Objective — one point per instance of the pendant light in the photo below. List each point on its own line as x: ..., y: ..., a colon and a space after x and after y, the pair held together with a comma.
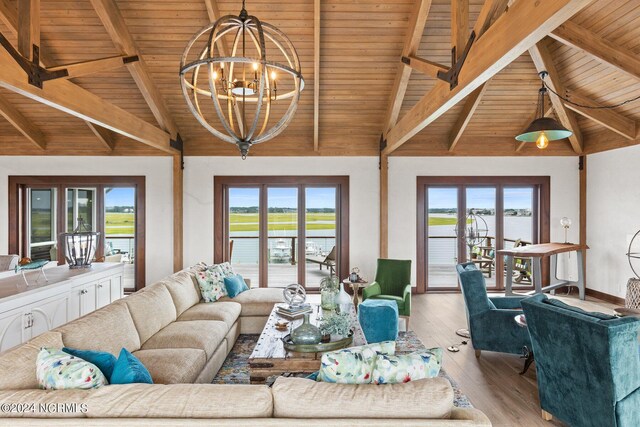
x: 543, y: 129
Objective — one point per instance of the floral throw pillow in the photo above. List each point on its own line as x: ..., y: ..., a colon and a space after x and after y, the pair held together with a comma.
x: 211, y: 282
x: 227, y: 269
x: 407, y: 367
x: 353, y: 365
x: 57, y: 370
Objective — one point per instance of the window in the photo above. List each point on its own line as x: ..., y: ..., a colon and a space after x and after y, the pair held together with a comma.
x: 464, y: 219
x: 282, y: 230
x: 40, y: 208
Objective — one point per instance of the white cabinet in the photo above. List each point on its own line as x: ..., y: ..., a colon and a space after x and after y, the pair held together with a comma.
x: 67, y: 296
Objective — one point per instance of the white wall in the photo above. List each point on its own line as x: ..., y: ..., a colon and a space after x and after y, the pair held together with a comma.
x: 363, y: 199
x: 613, y: 217
x: 403, y: 171
x: 159, y: 196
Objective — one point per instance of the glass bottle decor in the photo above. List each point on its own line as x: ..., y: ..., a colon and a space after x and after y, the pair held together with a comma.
x: 306, y: 333
x: 329, y: 292
x: 343, y: 300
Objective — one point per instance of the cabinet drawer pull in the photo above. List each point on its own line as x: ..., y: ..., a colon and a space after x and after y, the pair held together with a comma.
x: 99, y: 286
x: 84, y: 291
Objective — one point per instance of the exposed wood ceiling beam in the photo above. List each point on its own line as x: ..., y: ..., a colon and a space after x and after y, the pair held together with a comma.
x: 316, y: 75
x: 79, y: 69
x: 104, y: 135
x: 544, y: 62
x: 465, y: 115
x: 605, y: 117
x: 522, y: 26
x: 113, y: 22
x: 28, y: 27
x: 521, y: 144
x: 459, y: 25
x: 417, y: 21
x: 490, y: 11
x: 603, y: 50
x: 9, y: 15
x: 20, y: 122
x: 72, y: 99
x: 424, y: 66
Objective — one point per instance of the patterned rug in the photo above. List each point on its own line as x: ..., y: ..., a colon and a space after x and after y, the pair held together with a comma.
x: 235, y: 369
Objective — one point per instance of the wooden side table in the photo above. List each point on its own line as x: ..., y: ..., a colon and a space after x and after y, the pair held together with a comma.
x: 355, y: 287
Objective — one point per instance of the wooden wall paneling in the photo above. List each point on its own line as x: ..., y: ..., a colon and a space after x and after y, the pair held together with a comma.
x: 178, y: 217
x: 470, y: 105
x: 20, y: 122
x: 524, y: 25
x: 602, y: 49
x: 544, y: 62
x: 417, y: 22
x: 115, y: 25
x: 384, y: 206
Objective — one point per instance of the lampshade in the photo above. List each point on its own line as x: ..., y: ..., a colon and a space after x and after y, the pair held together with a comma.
x: 551, y: 128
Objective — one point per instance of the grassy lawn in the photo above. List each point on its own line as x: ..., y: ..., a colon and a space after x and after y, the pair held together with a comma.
x: 437, y: 220
x: 119, y: 223
x: 282, y: 221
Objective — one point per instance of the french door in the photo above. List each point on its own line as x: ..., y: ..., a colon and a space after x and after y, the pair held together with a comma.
x: 462, y: 219
x: 282, y: 230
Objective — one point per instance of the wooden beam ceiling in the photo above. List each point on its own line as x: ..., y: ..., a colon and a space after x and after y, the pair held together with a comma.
x: 605, y: 117
x: 105, y: 136
x: 113, y: 22
x: 544, y: 62
x: 424, y: 66
x: 78, y: 69
x: 510, y: 36
x: 490, y: 10
x: 316, y: 75
x: 603, y: 50
x: 28, y: 27
x: 21, y: 123
x: 417, y: 21
x: 72, y: 99
x: 459, y: 25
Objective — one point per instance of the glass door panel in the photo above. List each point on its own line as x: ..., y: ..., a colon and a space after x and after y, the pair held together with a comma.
x: 282, y: 226
x: 42, y: 231
x: 244, y: 232
x: 442, y: 242
x: 320, y: 238
x: 519, y: 228
x: 120, y: 228
x: 81, y: 204
x: 481, y: 232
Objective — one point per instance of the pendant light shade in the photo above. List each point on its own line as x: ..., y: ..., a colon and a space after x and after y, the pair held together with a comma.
x: 543, y: 129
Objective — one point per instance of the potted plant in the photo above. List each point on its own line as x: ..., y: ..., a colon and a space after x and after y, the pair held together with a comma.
x: 335, y: 326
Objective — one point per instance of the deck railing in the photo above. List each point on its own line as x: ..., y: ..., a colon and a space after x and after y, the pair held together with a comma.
x: 247, y: 247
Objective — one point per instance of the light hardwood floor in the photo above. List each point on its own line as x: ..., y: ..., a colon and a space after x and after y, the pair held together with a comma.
x: 492, y: 382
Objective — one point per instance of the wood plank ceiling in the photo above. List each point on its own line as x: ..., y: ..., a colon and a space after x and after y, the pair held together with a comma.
x: 360, y: 46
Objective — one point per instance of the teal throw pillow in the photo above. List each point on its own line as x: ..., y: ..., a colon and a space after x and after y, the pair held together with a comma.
x: 129, y: 370
x: 235, y: 285
x: 105, y: 361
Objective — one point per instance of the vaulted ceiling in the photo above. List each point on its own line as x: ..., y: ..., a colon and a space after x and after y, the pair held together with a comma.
x: 361, y: 42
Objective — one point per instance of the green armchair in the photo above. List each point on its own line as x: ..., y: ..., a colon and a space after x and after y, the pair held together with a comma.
x: 393, y: 282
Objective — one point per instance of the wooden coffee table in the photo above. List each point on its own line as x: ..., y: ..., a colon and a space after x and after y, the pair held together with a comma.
x: 270, y: 358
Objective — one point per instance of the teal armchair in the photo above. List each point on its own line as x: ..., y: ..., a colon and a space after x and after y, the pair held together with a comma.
x: 393, y: 282
x: 587, y: 363
x: 491, y: 321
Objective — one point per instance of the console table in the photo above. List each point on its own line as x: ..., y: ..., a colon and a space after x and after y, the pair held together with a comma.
x: 537, y: 253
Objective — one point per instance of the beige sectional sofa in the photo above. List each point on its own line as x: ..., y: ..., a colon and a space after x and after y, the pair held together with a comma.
x: 183, y: 342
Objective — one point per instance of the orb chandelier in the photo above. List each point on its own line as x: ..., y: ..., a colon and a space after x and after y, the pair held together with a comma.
x: 242, y: 80
x: 543, y: 129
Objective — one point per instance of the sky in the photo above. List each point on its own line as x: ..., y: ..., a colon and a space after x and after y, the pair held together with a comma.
x: 480, y: 198
x: 283, y: 197
x: 120, y: 197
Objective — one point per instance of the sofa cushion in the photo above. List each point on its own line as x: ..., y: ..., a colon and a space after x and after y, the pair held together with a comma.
x: 109, y: 329
x: 182, y: 401
x: 211, y: 283
x: 57, y: 370
x: 173, y: 365
x: 18, y: 366
x: 151, y: 310
x: 299, y: 397
x: 227, y: 312
x: 184, y: 290
x: 407, y: 367
x: 203, y: 334
x: 257, y: 301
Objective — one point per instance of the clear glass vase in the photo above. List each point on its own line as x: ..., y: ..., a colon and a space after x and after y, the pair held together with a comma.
x: 306, y: 333
x: 329, y: 293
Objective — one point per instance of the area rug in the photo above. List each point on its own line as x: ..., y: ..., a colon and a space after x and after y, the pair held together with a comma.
x: 235, y: 369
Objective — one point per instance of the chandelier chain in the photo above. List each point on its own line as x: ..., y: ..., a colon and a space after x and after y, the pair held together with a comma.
x: 592, y: 107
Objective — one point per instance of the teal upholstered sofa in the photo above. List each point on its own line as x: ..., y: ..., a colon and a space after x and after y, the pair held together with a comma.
x: 491, y: 321
x: 588, y: 364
